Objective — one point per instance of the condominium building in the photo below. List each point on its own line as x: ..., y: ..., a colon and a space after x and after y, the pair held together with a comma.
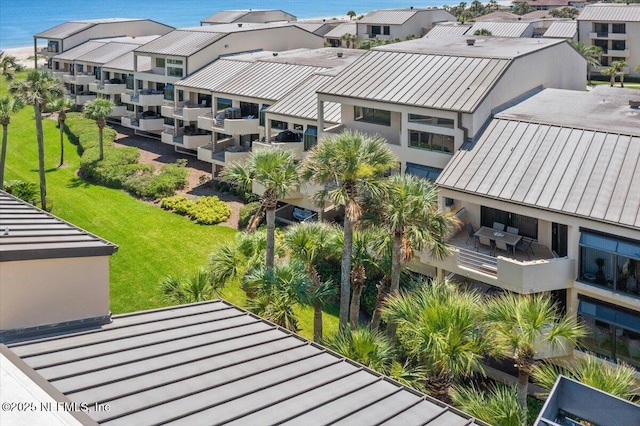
x: 256, y: 16
x: 549, y: 202
x: 615, y: 28
x: 551, y: 4
x: 389, y: 24
x: 73, y: 33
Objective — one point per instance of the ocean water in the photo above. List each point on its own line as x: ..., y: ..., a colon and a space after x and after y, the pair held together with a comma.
x: 21, y: 19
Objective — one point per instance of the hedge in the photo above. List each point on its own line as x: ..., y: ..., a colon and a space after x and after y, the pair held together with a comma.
x: 205, y: 210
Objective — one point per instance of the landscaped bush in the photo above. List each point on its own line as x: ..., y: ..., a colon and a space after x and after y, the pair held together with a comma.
x: 246, y: 213
x: 26, y: 191
x: 120, y: 167
x: 205, y: 210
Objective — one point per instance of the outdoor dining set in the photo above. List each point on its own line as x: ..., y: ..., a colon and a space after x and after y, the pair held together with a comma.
x: 500, y: 237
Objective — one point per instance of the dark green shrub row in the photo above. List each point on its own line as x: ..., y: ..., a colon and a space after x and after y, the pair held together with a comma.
x: 120, y: 168
x: 26, y: 191
x: 246, y: 196
x: 205, y: 210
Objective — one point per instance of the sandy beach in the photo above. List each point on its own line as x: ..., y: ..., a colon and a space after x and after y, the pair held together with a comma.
x: 24, y: 55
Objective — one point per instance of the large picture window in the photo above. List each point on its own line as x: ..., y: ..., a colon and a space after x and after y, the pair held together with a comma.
x: 609, y: 262
x: 372, y: 115
x: 431, y: 141
x: 432, y: 121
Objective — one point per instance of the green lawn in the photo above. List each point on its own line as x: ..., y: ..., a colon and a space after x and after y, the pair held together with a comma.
x: 152, y: 243
x: 626, y: 84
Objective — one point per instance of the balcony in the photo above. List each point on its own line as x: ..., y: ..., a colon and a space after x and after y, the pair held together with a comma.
x: 108, y: 88
x: 119, y: 111
x: 296, y: 148
x: 167, y: 110
x: 145, y: 98
x: 59, y: 74
x: 84, y: 79
x: 145, y: 124
x: 206, y: 121
x: 228, y: 126
x: 83, y: 98
x: 607, y: 36
x: 68, y: 78
x: 191, y: 113
x: 231, y: 154
x: 205, y: 153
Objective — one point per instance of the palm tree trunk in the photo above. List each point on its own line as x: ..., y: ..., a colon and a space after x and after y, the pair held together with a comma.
x: 271, y: 236
x: 612, y: 80
x: 621, y: 79
x: 345, y: 273
x: 358, y: 278
x: 317, y: 306
x: 41, y: 170
x: 255, y: 220
x: 61, y: 125
x: 522, y: 387
x: 3, y: 153
x: 382, y: 295
x: 438, y: 386
x: 100, y: 143
x: 396, y: 266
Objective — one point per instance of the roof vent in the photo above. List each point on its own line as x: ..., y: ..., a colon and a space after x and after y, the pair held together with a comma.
x: 239, y: 24
x: 339, y: 54
x: 471, y: 42
x: 275, y: 53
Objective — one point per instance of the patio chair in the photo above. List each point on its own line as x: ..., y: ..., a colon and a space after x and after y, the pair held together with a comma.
x: 498, y: 226
x: 470, y: 232
x: 512, y: 230
x: 484, y: 241
x: 525, y: 245
x: 501, y: 245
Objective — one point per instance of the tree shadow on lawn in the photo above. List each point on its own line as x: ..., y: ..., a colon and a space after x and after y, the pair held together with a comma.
x: 77, y: 182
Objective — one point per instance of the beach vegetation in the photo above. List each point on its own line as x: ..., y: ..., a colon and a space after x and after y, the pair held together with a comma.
x: 8, y: 107
x: 9, y: 66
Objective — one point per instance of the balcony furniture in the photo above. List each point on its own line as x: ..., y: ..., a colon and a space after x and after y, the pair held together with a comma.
x: 501, y: 245
x: 484, y: 241
x: 511, y: 240
x: 525, y: 245
x: 512, y: 230
x: 470, y: 231
x: 498, y: 226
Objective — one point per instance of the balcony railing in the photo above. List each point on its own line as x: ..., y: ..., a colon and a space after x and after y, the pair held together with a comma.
x: 144, y: 98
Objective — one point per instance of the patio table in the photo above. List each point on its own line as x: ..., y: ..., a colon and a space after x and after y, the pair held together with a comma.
x: 494, y: 235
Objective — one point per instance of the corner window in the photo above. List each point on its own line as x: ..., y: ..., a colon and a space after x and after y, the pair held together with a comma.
x: 169, y: 94
x: 159, y: 62
x: 223, y: 103
x: 427, y: 172
x: 249, y: 109
x: 431, y: 141
x: 371, y: 115
x: 279, y: 125
x: 432, y: 121
x: 174, y: 72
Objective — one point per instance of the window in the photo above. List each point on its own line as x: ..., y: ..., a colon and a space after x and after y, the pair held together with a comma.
x: 528, y: 226
x: 180, y: 95
x: 249, y: 109
x: 618, y: 45
x: 426, y: 172
x: 433, y: 121
x: 169, y: 121
x: 174, y: 72
x: 375, y: 31
x: 618, y: 28
x: 612, y: 332
x: 371, y: 115
x: 263, y: 115
x: 79, y: 68
x: 386, y: 30
x: 169, y: 94
x: 204, y: 100
x: 610, y: 262
x: 52, y: 47
x: 431, y: 141
x: 159, y: 62
x: 602, y: 30
x: 97, y: 73
x: 279, y: 125
x: 310, y: 137
x: 174, y: 61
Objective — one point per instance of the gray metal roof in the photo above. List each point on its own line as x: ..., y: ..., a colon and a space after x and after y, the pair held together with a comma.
x: 27, y: 232
x: 266, y: 80
x: 561, y: 29
x: 231, y: 16
x: 342, y: 29
x: 431, y: 81
x: 107, y: 52
x: 501, y: 28
x: 83, y: 49
x: 610, y: 12
x: 125, y: 63
x: 574, y: 171
x: 212, y: 75
x: 213, y: 363
x: 70, y: 28
x: 181, y: 42
x: 498, y: 15
x: 388, y: 16
x: 302, y: 101
x: 448, y: 29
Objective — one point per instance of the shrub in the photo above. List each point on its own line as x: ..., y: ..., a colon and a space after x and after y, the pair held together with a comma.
x: 205, y: 210
x: 26, y: 191
x: 246, y: 213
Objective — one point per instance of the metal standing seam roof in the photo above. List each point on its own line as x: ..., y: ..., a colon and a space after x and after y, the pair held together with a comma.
x: 342, y: 29
x: 447, y: 30
x: 388, y: 17
x: 302, y: 101
x: 585, y: 173
x: 125, y: 63
x: 73, y: 27
x: 212, y: 75
x: 610, y: 12
x: 226, y: 16
x: 180, y: 43
x: 213, y: 363
x: 426, y: 80
x: 561, y: 30
x: 27, y: 233
x: 497, y: 15
x: 501, y: 29
x: 83, y: 49
x: 266, y: 80
x: 107, y: 52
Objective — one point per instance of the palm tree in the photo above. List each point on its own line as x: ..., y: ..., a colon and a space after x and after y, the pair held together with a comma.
x: 354, y: 163
x: 277, y: 172
x: 616, y: 379
x: 497, y: 406
x: 196, y: 287
x: 61, y: 105
x: 350, y: 40
x: 482, y: 32
x: 99, y: 110
x: 36, y: 90
x: 438, y: 325
x: 517, y: 325
x: 592, y: 54
x: 410, y: 215
x: 8, y: 106
x: 351, y: 14
x: 310, y: 243
x: 9, y: 66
